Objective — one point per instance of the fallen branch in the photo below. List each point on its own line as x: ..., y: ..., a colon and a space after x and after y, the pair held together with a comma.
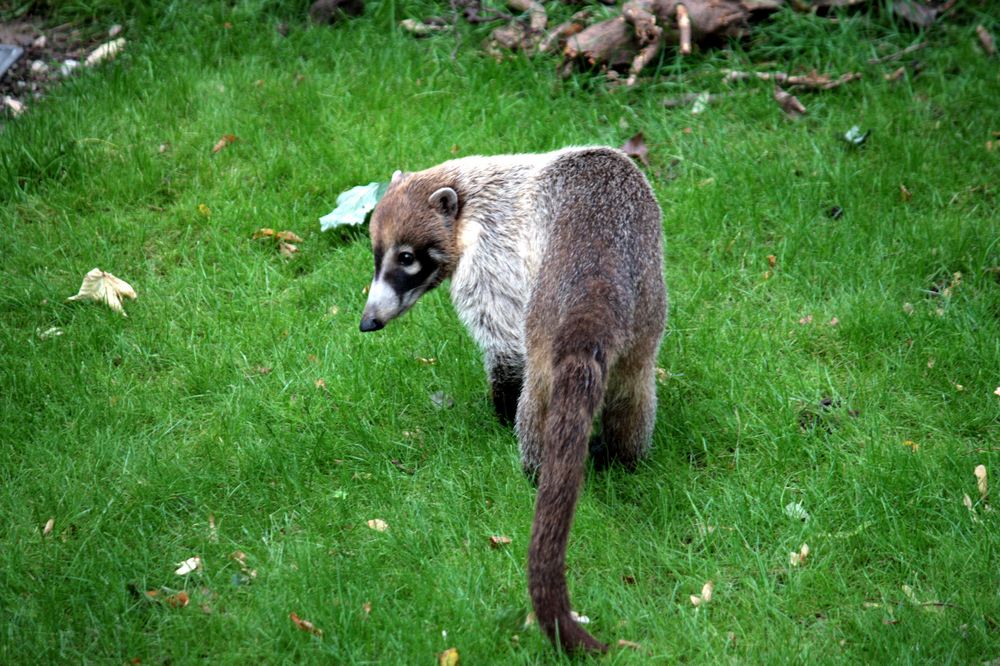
x: 892, y: 57
x: 563, y: 31
x: 812, y: 80
x: 420, y: 28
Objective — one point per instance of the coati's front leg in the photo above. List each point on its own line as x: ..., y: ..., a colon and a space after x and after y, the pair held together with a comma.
x: 506, y: 375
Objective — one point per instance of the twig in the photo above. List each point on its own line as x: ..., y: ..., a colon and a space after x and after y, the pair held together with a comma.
x: 986, y: 39
x: 812, y: 80
x: 899, y: 54
x: 684, y: 25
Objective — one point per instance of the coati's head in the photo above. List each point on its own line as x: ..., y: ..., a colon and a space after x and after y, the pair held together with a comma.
x: 413, y: 240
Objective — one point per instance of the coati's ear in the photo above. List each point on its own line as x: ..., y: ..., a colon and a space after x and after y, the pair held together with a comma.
x: 396, y: 175
x: 445, y: 201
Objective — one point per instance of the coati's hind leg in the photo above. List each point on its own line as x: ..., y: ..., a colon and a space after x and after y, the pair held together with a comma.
x: 532, y: 410
x: 628, y: 416
x: 506, y: 375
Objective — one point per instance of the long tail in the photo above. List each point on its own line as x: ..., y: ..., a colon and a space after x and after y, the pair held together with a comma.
x: 578, y: 384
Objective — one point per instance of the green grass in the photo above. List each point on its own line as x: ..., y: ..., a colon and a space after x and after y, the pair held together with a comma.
x: 132, y: 432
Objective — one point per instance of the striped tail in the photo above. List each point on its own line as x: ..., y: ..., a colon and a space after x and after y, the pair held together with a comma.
x: 578, y: 384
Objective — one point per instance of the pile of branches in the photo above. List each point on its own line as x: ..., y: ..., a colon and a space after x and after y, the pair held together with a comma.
x: 631, y: 40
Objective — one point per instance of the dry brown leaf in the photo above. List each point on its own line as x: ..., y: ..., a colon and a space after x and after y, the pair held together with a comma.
x: 263, y: 232
x: 772, y: 260
x: 320, y: 384
x: 289, y: 236
x: 912, y: 445
x: 241, y: 558
x: 789, y: 103
x: 104, y: 288
x: 798, y: 559
x: 179, y: 600
x: 49, y: 524
x: 305, y: 625
x: 834, y: 321
x: 498, y: 541
x: 622, y: 643
x: 226, y: 140
x: 904, y: 193
x: 378, y: 525
x: 367, y: 607
x: 805, y: 321
x: 636, y: 149
x: 449, y: 657
x: 287, y: 249
x: 981, y: 482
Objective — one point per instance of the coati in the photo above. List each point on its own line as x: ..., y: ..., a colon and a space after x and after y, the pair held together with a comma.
x: 556, y: 267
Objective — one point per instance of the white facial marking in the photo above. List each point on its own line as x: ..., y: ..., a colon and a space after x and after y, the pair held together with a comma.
x: 382, y: 299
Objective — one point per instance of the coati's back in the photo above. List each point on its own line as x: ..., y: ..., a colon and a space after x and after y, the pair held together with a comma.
x: 593, y: 327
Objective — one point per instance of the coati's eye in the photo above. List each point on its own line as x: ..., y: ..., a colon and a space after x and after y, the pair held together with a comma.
x: 405, y: 258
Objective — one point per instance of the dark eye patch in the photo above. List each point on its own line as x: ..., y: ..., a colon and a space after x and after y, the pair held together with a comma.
x: 378, y: 251
x: 402, y: 282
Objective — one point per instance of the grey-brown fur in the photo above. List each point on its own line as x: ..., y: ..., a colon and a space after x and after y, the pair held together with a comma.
x: 556, y: 268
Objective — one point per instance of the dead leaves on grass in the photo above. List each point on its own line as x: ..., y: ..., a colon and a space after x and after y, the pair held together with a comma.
x: 286, y: 241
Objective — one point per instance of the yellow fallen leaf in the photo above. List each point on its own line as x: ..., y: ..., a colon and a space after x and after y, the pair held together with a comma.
x: 378, y: 525
x: 449, y: 657
x: 104, y: 288
x: 706, y: 594
x: 204, y: 210
x: 980, y: 473
x: 799, y: 558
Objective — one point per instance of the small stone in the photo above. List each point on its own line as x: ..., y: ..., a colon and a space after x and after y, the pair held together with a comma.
x: 39, y: 67
x: 68, y: 66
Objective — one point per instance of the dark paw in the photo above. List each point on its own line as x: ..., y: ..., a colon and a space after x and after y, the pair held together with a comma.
x: 603, y: 457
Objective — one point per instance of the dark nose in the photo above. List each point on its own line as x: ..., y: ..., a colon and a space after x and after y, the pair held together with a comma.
x: 370, y: 324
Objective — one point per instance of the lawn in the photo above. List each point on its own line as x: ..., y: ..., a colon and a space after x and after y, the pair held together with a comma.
x: 829, y: 377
